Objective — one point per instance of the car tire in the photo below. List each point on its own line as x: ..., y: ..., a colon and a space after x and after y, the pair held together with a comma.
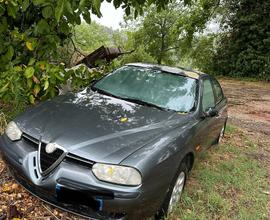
x: 175, y: 191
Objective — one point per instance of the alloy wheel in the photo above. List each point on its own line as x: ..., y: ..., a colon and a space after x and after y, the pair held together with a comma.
x: 177, y: 191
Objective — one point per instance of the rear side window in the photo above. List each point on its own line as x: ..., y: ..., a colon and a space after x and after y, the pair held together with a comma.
x: 218, y: 91
x: 208, y: 99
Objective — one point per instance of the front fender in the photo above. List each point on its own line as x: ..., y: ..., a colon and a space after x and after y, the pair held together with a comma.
x: 158, y: 162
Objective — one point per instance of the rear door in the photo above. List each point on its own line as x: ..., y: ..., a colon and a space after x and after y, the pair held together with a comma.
x: 220, y: 105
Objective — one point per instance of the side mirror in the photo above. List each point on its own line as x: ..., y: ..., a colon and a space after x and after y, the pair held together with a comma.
x: 211, y: 112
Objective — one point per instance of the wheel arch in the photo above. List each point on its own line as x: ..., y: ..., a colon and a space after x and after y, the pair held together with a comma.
x: 189, y: 159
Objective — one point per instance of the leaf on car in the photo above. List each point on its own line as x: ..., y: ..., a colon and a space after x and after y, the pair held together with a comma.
x: 123, y: 119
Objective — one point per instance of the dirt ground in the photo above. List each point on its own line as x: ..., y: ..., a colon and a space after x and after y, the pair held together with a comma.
x: 249, y: 109
x: 249, y: 105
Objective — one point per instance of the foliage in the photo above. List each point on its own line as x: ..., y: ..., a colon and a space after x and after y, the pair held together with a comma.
x: 167, y: 34
x: 158, y: 34
x: 243, y: 49
x: 85, y: 39
x: 31, y: 32
x: 201, y: 53
x: 139, y: 54
x: 90, y: 37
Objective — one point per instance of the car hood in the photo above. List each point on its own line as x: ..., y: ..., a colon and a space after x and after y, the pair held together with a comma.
x: 95, y: 126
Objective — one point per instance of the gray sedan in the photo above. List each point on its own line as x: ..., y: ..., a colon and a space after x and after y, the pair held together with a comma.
x: 121, y: 148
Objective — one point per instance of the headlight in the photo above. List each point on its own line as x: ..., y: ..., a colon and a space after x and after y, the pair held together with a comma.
x: 13, y: 132
x: 117, y: 174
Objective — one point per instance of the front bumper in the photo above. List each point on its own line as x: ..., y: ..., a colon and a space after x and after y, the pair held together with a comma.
x: 73, y: 187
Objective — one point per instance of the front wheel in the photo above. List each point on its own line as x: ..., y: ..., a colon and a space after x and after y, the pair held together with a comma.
x: 177, y: 187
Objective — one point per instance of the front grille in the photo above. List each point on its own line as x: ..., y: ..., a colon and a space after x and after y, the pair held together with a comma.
x: 74, y: 159
x: 47, y: 160
x: 31, y: 141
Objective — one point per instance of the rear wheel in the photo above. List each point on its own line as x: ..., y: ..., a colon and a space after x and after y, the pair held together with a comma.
x: 173, y: 197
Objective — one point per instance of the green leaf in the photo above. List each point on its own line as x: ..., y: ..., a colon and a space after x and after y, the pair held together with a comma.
x: 127, y: 10
x: 39, y: 2
x: 64, y: 28
x: 42, y: 27
x: 12, y: 10
x: 47, y: 12
x: 4, y: 88
x: 31, y: 61
x: 46, y: 85
x: 58, y: 76
x: 9, y: 54
x: 2, y: 10
x: 68, y: 7
x: 59, y: 9
x: 36, y: 89
x: 81, y: 4
x: 87, y: 16
x: 52, y: 92
x: 29, y: 72
x: 25, y: 5
x: 29, y: 82
x: 96, y: 6
x: 32, y: 99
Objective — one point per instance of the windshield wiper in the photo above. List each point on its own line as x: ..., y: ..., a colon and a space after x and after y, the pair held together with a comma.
x: 134, y: 100
x: 95, y: 89
x: 141, y: 102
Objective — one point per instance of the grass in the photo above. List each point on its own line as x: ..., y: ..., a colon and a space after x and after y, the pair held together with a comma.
x: 227, y: 183
x: 3, y: 122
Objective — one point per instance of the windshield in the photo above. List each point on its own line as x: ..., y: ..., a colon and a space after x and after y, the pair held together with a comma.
x: 144, y: 85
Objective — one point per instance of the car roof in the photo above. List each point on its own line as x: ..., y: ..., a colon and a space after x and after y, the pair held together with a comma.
x: 175, y: 70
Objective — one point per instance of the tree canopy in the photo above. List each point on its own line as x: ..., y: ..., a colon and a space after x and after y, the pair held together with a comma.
x: 167, y: 35
x: 34, y: 34
x: 243, y: 48
x: 31, y: 31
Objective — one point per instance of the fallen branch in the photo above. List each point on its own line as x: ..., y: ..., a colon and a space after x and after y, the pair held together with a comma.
x: 50, y: 212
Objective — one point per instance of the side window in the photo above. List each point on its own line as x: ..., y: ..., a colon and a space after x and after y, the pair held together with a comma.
x: 218, y: 91
x: 208, y: 99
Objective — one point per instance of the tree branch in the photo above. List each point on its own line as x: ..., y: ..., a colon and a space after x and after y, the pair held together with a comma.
x: 75, y: 48
x: 171, y: 48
